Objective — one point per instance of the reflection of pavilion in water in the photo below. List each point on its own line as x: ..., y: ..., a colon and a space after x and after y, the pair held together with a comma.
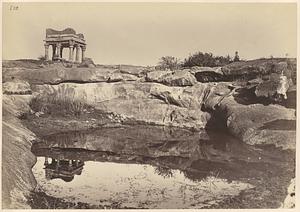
x: 64, y: 169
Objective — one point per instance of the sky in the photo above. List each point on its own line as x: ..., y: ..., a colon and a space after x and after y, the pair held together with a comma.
x: 141, y: 33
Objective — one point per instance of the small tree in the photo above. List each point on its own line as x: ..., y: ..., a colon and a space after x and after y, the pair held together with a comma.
x: 169, y: 62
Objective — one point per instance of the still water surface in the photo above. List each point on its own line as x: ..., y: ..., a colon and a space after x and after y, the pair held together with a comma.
x: 136, y: 185
x: 150, y: 167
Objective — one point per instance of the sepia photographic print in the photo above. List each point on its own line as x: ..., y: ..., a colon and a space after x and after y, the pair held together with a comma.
x: 149, y: 105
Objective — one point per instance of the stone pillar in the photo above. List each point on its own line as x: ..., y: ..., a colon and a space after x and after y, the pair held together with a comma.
x: 77, y: 54
x: 57, y: 164
x: 46, y: 51
x: 83, y: 48
x: 53, y: 51
x: 71, y: 53
x: 61, y: 52
x: 46, y: 161
x: 58, y: 50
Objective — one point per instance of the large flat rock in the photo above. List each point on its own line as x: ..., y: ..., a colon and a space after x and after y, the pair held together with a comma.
x: 58, y: 73
x: 149, y: 102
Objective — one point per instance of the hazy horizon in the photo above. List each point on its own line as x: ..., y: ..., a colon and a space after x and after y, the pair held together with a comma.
x: 141, y: 33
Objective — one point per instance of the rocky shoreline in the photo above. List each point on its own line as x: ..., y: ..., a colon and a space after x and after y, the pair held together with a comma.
x: 40, y: 100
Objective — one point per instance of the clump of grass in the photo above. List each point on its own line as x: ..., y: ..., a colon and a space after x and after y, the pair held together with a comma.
x: 59, y: 103
x: 50, y: 105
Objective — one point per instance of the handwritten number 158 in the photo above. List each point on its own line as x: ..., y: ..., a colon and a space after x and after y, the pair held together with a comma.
x: 13, y: 7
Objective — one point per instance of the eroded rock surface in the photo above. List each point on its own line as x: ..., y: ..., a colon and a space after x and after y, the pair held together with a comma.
x: 17, y: 159
x: 250, y: 123
x: 206, y: 76
x: 172, y: 78
x: 16, y: 87
x: 196, y: 69
x: 274, y: 89
x: 148, y: 102
x: 260, y: 67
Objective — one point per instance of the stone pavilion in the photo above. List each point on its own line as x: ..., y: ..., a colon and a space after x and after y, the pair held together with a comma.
x: 67, y: 38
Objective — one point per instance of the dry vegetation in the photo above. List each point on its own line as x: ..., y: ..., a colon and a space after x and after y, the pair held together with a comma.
x: 62, y: 102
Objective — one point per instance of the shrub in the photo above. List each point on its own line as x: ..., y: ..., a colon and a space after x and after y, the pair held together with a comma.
x: 206, y: 59
x: 169, y: 62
